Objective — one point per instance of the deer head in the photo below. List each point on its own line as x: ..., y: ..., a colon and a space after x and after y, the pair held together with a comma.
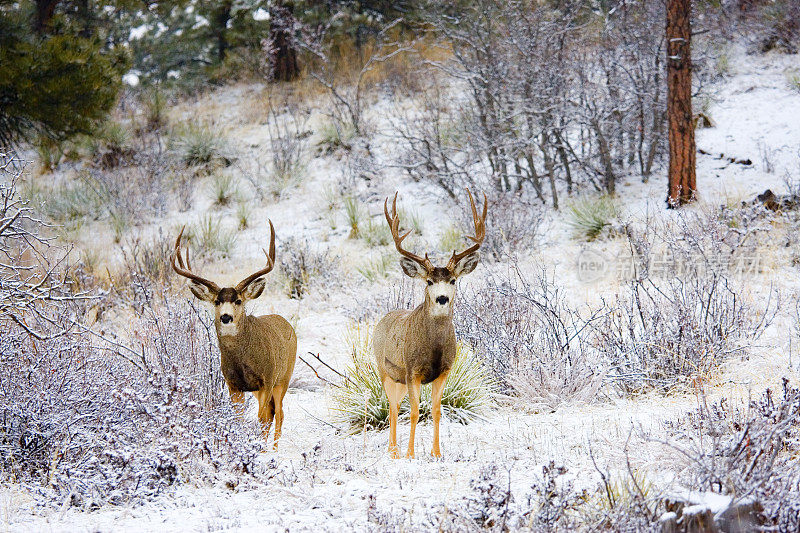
x: 228, y: 301
x: 441, y: 281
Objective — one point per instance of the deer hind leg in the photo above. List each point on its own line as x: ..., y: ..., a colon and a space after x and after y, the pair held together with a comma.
x: 395, y: 392
x: 436, y: 411
x: 413, y: 396
x: 277, y: 404
x: 266, y: 410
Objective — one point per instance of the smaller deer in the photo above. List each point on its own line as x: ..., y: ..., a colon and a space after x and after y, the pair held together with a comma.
x: 258, y: 352
x: 419, y: 346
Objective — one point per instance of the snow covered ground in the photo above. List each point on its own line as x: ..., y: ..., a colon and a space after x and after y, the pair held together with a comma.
x: 325, y: 480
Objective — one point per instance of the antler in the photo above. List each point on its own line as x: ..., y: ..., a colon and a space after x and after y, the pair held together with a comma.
x: 480, y: 232
x: 394, y: 226
x: 185, y: 269
x: 270, y: 262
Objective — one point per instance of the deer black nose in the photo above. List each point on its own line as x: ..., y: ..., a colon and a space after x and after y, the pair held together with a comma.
x: 441, y: 300
x: 226, y: 318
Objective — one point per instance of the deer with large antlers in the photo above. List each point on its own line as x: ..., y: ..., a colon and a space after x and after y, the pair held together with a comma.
x: 419, y: 346
x: 258, y: 352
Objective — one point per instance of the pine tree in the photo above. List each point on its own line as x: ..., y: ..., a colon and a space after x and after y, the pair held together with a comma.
x: 55, y: 86
x: 682, y: 151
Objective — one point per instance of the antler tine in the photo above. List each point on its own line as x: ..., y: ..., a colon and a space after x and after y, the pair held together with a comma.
x: 270, y: 262
x: 394, y: 227
x: 480, y: 231
x: 184, y: 269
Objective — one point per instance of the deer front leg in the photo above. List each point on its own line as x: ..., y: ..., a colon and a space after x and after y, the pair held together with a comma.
x: 395, y: 392
x: 414, y: 385
x: 277, y: 403
x: 436, y: 411
x: 266, y: 410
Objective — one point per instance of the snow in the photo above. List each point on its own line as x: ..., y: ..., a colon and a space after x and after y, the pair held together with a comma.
x: 324, y: 480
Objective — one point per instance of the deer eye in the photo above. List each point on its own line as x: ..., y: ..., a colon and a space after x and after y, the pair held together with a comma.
x: 238, y: 302
x: 217, y: 302
x: 453, y: 281
x: 430, y: 282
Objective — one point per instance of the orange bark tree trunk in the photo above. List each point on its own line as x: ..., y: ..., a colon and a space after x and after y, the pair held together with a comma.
x: 682, y: 152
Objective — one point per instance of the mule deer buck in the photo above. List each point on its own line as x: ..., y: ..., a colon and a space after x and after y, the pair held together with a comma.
x: 419, y: 346
x: 258, y: 352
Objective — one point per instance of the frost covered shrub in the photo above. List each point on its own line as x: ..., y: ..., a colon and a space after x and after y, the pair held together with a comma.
x: 86, y: 419
x: 748, y: 452
x: 665, y: 333
x: 362, y: 403
x: 101, y: 422
x: 533, y: 342
x: 301, y: 265
x: 512, y: 224
x: 665, y: 330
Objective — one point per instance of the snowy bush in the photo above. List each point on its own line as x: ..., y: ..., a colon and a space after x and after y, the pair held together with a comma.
x: 579, y: 119
x: 303, y: 265
x: 512, y: 225
x: 101, y: 422
x: 88, y: 419
x: 666, y: 331
x: 533, y: 342
x: 747, y: 453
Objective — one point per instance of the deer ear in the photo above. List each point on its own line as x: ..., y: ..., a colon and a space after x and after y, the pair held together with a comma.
x: 254, y: 289
x: 202, y: 292
x: 467, y: 264
x: 411, y: 268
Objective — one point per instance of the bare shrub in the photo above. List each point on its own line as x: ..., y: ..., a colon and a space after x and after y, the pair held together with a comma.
x: 288, y: 138
x: 512, y: 225
x: 302, y: 266
x: 747, y: 453
x: 678, y: 321
x: 348, y: 96
x: 87, y: 420
x: 592, y: 111
x: 534, y: 343
x: 435, y: 143
x: 663, y: 334
x: 105, y: 423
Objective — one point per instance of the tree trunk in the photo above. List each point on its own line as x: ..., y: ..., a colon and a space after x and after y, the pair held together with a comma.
x: 284, y: 56
x: 221, y: 18
x: 682, y: 152
x: 45, y: 9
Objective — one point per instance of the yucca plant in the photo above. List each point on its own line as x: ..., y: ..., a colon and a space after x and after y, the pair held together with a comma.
x: 360, y: 401
x: 589, y: 215
x: 212, y: 237
x: 200, y: 146
x: 353, y: 212
x: 223, y: 188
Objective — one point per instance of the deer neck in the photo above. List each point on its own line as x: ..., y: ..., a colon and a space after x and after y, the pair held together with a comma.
x: 438, y: 327
x: 231, y: 343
